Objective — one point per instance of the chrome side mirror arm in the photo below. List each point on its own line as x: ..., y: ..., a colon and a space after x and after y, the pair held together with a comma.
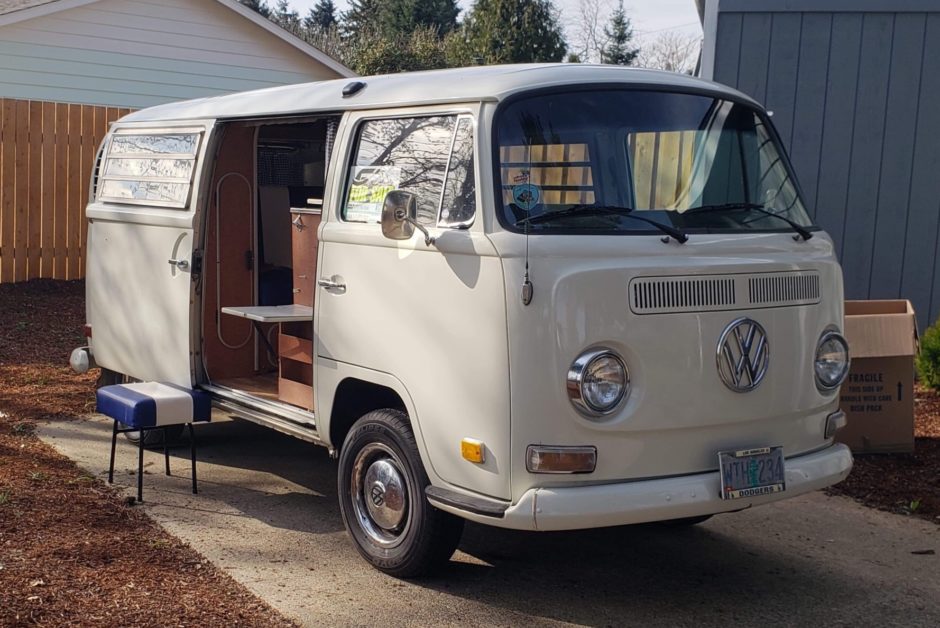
x: 400, y: 214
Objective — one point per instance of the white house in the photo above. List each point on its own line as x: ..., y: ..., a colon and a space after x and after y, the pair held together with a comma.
x: 137, y: 53
x: 68, y: 68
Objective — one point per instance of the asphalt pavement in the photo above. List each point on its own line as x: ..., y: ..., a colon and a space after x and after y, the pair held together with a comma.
x: 267, y: 514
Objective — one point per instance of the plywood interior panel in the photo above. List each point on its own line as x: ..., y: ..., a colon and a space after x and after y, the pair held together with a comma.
x: 228, y: 279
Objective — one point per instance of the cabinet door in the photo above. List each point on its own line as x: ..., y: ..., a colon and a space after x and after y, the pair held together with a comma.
x: 304, y: 228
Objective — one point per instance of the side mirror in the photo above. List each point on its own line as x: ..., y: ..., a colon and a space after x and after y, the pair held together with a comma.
x: 398, y: 217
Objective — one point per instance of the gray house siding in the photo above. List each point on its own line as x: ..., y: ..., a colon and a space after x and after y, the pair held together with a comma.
x: 854, y: 88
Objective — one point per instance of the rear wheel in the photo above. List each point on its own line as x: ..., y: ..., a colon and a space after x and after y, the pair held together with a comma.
x: 381, y: 497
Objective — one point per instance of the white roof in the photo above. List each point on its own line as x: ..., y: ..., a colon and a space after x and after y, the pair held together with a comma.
x: 482, y: 83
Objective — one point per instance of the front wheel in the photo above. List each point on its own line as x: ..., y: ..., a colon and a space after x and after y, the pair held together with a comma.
x: 381, y: 497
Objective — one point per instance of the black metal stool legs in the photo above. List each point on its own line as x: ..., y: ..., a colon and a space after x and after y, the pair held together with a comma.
x: 114, y: 434
x: 192, y: 451
x: 166, y: 454
x: 140, y: 466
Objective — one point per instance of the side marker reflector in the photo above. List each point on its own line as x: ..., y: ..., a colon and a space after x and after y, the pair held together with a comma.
x: 473, y: 450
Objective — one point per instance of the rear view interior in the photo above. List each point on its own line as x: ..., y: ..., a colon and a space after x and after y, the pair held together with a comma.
x: 260, y: 258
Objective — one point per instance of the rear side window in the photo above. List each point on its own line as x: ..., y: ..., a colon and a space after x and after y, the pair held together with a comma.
x: 149, y: 168
x: 430, y: 157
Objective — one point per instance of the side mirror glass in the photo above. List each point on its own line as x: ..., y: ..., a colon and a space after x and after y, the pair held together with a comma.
x: 398, y: 208
x: 398, y: 217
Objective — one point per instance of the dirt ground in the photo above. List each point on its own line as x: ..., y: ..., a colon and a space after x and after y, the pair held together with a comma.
x: 907, y: 484
x: 71, y: 551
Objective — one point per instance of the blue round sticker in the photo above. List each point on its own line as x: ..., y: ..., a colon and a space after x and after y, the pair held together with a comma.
x: 526, y: 195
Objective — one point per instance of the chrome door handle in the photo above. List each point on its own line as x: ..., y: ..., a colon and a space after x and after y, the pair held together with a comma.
x: 330, y: 284
x: 179, y: 263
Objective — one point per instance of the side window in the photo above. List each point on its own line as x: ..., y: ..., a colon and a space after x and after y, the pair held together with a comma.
x: 430, y: 157
x: 458, y: 204
x: 149, y: 168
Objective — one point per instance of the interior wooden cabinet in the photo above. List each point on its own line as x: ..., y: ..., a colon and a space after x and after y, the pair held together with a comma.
x: 261, y: 251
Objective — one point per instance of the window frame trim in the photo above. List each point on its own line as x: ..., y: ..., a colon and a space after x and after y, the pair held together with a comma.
x: 465, y: 224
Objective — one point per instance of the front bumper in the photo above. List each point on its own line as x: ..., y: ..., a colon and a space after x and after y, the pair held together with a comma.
x: 659, y: 500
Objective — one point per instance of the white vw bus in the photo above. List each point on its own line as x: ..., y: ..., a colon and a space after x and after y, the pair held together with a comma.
x: 542, y: 297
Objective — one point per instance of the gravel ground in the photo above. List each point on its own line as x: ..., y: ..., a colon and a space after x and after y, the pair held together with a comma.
x: 72, y: 551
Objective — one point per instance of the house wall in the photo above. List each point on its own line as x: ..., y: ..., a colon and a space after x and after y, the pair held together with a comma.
x: 138, y: 53
x: 853, y: 85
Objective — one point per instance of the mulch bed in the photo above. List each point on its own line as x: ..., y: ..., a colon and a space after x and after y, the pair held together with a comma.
x: 72, y: 551
x: 907, y: 484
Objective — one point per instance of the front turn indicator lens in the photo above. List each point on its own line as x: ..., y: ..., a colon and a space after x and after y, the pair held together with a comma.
x: 560, y: 459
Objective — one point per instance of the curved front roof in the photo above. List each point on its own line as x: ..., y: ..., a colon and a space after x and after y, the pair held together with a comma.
x: 474, y: 84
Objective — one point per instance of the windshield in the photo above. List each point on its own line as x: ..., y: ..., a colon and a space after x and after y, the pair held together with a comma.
x: 692, y: 162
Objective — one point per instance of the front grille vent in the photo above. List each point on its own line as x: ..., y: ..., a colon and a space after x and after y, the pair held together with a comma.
x: 714, y: 293
x: 784, y: 289
x: 652, y: 296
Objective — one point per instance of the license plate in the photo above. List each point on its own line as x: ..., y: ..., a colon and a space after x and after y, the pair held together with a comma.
x: 751, y: 472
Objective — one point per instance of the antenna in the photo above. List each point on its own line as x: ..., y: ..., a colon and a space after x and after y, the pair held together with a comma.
x: 527, y: 288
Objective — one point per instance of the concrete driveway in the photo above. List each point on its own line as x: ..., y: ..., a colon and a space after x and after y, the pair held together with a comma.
x: 267, y: 514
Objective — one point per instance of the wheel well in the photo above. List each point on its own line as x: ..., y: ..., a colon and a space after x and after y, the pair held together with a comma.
x: 355, y: 397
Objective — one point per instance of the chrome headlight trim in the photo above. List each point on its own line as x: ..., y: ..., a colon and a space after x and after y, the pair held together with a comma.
x: 831, y: 334
x: 575, y: 382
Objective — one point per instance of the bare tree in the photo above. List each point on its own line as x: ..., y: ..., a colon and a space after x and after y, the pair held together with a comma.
x: 588, y: 38
x: 672, y: 51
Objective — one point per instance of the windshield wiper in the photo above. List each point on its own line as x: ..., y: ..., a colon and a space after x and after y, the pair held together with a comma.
x: 604, y: 210
x: 804, y: 233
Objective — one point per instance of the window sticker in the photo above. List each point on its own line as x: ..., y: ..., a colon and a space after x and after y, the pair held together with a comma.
x: 526, y: 196
x: 367, y: 191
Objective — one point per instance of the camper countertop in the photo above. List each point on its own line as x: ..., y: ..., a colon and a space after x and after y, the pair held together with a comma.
x: 272, y: 313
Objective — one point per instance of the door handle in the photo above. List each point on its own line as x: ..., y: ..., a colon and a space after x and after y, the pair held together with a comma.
x: 331, y: 283
x: 179, y: 263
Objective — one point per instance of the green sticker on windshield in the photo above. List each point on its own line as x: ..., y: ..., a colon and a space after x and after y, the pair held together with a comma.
x: 526, y: 196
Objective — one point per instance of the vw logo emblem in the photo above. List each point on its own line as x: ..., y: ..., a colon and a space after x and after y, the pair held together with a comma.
x: 743, y: 355
x: 378, y: 495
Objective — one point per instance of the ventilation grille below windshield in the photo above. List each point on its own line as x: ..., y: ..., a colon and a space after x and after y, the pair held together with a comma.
x: 654, y: 296
x: 711, y: 293
x: 788, y: 289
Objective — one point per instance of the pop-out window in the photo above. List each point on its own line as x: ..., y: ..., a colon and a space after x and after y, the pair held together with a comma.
x: 562, y: 172
x: 430, y: 157
x: 149, y: 168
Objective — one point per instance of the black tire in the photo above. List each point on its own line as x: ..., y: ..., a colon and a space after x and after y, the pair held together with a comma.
x: 397, y: 531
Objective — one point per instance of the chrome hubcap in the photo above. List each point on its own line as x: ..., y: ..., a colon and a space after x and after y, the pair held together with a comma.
x: 380, y: 495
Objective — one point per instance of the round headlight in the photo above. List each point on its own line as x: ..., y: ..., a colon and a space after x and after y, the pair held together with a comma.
x: 832, y: 360
x: 598, y: 382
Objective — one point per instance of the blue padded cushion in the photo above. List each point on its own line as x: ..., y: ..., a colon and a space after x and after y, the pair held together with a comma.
x: 134, y: 409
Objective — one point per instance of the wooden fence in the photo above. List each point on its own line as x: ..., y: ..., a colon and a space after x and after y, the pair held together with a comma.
x: 47, y: 151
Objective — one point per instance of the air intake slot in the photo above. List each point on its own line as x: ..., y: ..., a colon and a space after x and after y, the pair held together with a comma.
x: 715, y: 293
x: 784, y: 289
x: 682, y: 294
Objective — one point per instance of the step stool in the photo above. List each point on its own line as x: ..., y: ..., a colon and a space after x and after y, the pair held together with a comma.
x: 147, y: 406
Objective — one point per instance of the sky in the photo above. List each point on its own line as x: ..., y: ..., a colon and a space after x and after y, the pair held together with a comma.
x: 649, y: 16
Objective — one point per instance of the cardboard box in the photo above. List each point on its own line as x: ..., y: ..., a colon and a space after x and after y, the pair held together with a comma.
x: 878, y: 395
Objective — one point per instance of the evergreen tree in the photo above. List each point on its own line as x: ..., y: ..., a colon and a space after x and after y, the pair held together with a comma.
x: 285, y: 17
x: 361, y: 16
x: 321, y: 16
x: 619, y: 49
x: 258, y: 5
x: 511, y: 31
x: 404, y: 16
